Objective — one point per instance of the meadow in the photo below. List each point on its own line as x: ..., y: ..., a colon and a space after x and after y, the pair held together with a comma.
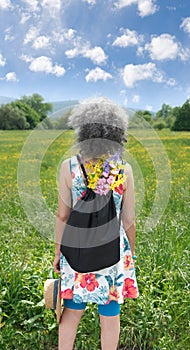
x: 159, y: 318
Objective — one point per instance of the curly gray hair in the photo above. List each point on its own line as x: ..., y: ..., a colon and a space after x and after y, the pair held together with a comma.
x: 100, y: 126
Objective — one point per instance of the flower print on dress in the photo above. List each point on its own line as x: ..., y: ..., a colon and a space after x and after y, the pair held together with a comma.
x: 87, y: 280
x: 129, y: 290
x: 127, y: 260
x: 113, y: 294
x: 67, y: 294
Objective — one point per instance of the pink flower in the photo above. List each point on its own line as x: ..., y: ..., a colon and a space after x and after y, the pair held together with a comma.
x: 101, y: 181
x: 102, y: 189
x: 129, y: 290
x: 111, y: 179
x: 105, y: 174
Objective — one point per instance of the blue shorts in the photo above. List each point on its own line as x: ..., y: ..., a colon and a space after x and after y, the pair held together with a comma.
x: 111, y: 309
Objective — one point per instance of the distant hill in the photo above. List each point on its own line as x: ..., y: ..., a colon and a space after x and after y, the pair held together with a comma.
x: 59, y: 107
x: 4, y: 100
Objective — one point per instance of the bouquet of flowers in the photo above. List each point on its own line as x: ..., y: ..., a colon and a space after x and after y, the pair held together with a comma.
x: 105, y: 175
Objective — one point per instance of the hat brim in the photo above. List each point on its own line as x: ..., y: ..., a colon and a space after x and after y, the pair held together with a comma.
x: 52, y: 296
x: 59, y: 302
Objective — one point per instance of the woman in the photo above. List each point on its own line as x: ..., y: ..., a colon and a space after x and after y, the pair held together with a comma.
x: 100, y: 126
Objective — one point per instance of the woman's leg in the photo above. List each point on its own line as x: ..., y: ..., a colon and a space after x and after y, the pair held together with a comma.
x: 110, y: 325
x: 110, y: 329
x: 70, y: 319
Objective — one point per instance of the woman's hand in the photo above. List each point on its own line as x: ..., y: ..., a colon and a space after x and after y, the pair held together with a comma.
x: 56, y: 263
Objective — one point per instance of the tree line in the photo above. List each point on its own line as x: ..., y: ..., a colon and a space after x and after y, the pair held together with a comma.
x: 177, y: 118
x: 29, y: 112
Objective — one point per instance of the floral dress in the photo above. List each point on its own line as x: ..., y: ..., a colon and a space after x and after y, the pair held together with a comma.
x: 112, y: 283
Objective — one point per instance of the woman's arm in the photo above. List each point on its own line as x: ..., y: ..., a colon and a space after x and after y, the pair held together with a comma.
x: 128, y: 208
x: 63, y: 211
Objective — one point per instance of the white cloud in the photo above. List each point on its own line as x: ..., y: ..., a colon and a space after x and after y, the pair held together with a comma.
x: 41, y: 42
x: 184, y: 54
x: 65, y: 34
x: 163, y: 47
x: 59, y: 71
x: 26, y: 58
x: 72, y: 53
x: 8, y: 35
x: 136, y: 99
x: 2, y: 60
x: 5, y: 4
x: 97, y: 74
x: 32, y: 4
x: 96, y: 54
x: 129, y: 38
x: 69, y: 33
x: 31, y: 35
x: 123, y: 3
x: 11, y: 76
x: 148, y: 108
x: 90, y: 2
x: 140, y: 51
x: 171, y: 8
x: 185, y: 25
x: 145, y: 7
x: 24, y: 18
x: 44, y: 64
x: 53, y: 6
x: 148, y: 71
x: 171, y: 82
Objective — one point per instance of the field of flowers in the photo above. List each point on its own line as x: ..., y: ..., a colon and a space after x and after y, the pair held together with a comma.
x: 159, y: 318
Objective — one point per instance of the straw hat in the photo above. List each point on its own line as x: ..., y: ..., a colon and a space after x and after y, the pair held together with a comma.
x: 52, y: 296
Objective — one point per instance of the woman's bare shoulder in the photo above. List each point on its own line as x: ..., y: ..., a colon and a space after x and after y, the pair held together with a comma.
x: 65, y: 167
x: 128, y: 168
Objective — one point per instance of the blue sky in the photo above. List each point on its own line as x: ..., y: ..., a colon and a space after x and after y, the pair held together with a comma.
x: 136, y: 52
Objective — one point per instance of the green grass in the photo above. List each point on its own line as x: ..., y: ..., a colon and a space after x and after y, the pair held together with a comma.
x: 159, y: 318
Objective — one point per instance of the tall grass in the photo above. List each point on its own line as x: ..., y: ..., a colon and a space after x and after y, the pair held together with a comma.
x: 158, y: 319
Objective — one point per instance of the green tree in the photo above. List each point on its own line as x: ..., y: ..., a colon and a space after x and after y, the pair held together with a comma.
x: 36, y: 102
x: 147, y: 115
x: 141, y: 119
x: 159, y: 124
x: 164, y: 112
x: 182, y: 121
x: 30, y: 114
x: 12, y: 118
x: 61, y: 123
x: 165, y: 116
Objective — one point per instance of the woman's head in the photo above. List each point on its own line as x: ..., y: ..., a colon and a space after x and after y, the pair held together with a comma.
x: 100, y: 126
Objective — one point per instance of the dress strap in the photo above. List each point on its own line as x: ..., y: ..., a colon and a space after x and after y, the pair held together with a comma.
x: 83, y: 168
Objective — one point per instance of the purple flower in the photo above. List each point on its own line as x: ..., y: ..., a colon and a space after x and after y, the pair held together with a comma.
x: 106, y: 168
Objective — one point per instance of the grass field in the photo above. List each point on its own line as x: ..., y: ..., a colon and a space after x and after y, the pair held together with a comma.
x: 159, y: 318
